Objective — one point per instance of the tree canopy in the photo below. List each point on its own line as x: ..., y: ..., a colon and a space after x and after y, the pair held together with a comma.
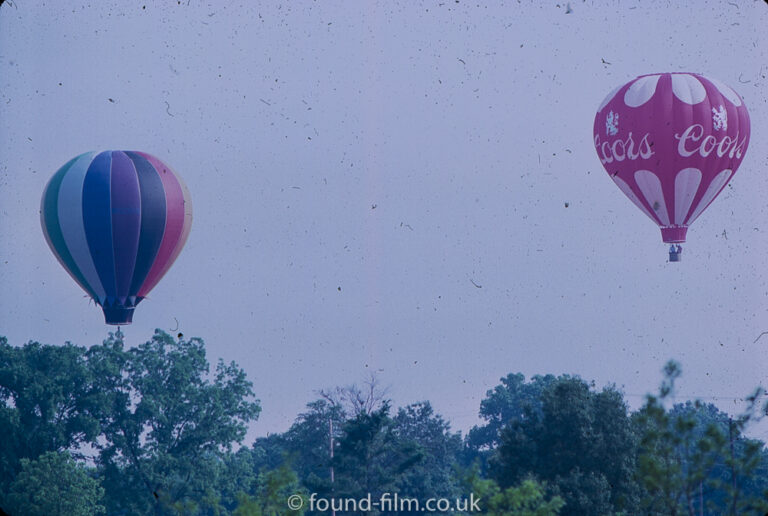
x: 156, y: 429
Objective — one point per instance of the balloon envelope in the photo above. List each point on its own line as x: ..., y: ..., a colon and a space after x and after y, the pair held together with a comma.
x: 671, y: 142
x: 116, y: 221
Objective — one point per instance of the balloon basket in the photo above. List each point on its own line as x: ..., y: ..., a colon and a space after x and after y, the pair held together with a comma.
x: 118, y: 315
x: 675, y: 253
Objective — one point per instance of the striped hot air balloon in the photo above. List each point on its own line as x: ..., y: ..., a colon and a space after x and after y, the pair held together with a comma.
x: 116, y: 221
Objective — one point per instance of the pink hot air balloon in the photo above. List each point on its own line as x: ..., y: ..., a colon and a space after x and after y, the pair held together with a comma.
x: 671, y: 142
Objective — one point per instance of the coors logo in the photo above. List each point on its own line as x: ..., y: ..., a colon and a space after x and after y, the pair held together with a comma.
x: 691, y: 141
x: 619, y: 150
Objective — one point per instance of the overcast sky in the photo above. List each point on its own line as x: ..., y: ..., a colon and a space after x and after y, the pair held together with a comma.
x: 408, y: 188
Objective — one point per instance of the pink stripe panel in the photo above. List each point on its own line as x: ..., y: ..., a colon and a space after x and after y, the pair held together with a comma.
x: 185, y: 229
x: 174, y: 225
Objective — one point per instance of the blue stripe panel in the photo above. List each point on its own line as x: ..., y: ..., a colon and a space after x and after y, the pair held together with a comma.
x: 126, y: 221
x: 152, y: 218
x: 70, y: 211
x: 97, y: 219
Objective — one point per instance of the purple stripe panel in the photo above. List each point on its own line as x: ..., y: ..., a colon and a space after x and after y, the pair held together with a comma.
x: 126, y: 221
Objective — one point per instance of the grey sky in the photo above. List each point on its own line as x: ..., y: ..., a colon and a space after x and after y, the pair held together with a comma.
x: 381, y: 186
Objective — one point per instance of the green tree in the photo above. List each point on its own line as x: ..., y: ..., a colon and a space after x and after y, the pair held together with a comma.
x: 273, y: 490
x: 167, y: 423
x: 308, y: 441
x: 740, y: 475
x: 659, y: 469
x: 418, y: 428
x: 46, y: 400
x: 508, y: 401
x: 528, y: 498
x: 580, y: 442
x: 54, y: 485
x: 237, y: 475
x: 694, y: 458
x: 369, y: 459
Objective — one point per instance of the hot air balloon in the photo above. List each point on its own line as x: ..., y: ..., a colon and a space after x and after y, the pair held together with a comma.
x: 116, y: 221
x: 671, y: 142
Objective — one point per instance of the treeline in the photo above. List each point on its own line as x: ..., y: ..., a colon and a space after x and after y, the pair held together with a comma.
x: 153, y: 430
